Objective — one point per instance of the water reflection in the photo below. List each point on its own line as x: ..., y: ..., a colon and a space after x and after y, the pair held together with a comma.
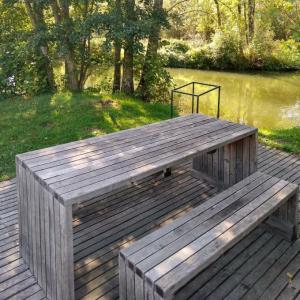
x: 263, y: 100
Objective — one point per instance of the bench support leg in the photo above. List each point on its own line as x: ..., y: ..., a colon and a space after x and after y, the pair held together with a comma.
x: 284, y: 221
x: 46, y: 237
x: 229, y: 164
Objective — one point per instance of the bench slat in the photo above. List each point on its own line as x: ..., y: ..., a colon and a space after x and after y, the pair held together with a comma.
x: 107, y: 148
x: 145, y: 168
x: 204, y: 221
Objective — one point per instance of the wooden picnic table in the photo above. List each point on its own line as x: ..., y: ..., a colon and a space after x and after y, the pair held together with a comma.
x: 50, y: 181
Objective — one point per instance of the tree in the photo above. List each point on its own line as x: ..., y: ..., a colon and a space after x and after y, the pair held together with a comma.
x: 157, y: 20
x: 35, y: 11
x: 64, y: 23
x: 251, y: 7
x: 129, y: 35
x: 117, y: 40
x: 218, y: 13
x: 23, y: 70
x: 117, y: 67
x: 73, y: 35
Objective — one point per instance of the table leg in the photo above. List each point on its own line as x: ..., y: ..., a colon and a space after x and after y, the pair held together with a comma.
x: 228, y: 164
x: 46, y: 237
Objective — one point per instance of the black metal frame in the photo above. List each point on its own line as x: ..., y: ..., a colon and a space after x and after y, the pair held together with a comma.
x: 177, y: 90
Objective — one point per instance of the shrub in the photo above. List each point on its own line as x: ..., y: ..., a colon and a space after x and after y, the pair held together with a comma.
x: 159, y: 82
x: 287, y: 54
x: 224, y: 53
x: 178, y: 46
x: 199, y: 59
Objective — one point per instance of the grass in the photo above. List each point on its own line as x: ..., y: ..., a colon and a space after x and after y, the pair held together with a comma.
x: 47, y: 120
x: 283, y: 139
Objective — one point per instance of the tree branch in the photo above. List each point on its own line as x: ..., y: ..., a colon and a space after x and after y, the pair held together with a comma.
x: 176, y: 4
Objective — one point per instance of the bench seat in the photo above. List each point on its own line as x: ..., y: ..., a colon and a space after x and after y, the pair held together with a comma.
x: 161, y: 263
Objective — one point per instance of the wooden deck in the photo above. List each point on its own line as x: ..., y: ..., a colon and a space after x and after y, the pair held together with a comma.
x: 256, y: 267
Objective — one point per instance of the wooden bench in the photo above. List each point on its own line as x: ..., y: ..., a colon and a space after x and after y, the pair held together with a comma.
x: 52, y: 182
x: 162, y: 262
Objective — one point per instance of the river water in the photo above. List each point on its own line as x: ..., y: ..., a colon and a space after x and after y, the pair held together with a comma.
x: 264, y: 100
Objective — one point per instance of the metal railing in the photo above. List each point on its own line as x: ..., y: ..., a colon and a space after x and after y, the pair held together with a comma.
x: 195, y: 97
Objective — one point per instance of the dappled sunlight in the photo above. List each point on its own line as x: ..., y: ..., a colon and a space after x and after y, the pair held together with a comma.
x: 53, y: 119
x: 115, y: 221
x: 95, y: 131
x: 61, y: 99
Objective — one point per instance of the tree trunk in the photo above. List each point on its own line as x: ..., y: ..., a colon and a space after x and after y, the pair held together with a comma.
x: 62, y: 18
x: 127, y: 79
x: 117, y: 29
x: 36, y: 15
x: 246, y: 23
x: 251, y: 11
x: 218, y: 13
x: 239, y: 9
x: 152, y: 48
x: 117, y: 67
x: 71, y: 77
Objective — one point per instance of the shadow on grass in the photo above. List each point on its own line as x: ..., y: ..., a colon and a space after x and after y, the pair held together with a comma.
x: 47, y: 120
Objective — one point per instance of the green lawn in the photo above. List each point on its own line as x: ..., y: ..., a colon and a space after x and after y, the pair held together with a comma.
x: 283, y: 139
x: 47, y: 120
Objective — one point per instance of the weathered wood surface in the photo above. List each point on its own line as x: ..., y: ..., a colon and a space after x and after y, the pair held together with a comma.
x: 49, y: 183
x: 255, y: 267
x: 164, y: 261
x: 135, y: 212
x: 46, y: 236
x: 80, y: 170
x: 228, y: 164
x: 16, y: 280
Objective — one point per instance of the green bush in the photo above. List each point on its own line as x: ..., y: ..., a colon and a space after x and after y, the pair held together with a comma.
x: 20, y: 72
x: 199, y: 59
x: 159, y: 83
x: 225, y: 53
x: 287, y: 53
x: 178, y: 46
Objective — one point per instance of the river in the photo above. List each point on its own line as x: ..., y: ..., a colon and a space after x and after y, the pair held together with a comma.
x: 264, y: 100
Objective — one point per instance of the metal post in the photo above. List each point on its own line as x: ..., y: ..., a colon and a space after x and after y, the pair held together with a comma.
x: 197, y: 104
x: 172, y: 100
x: 193, y: 97
x: 219, y: 97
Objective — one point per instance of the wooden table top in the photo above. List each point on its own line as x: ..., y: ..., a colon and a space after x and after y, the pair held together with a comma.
x: 80, y: 170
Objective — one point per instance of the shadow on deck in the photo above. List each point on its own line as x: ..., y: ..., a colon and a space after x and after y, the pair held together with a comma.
x: 261, y: 265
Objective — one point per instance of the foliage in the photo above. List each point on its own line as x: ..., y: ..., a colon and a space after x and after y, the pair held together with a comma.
x: 225, y: 52
x: 78, y: 38
x: 159, y: 82
x: 52, y: 119
x: 234, y: 35
x: 75, y: 37
x: 222, y: 54
x: 20, y: 71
